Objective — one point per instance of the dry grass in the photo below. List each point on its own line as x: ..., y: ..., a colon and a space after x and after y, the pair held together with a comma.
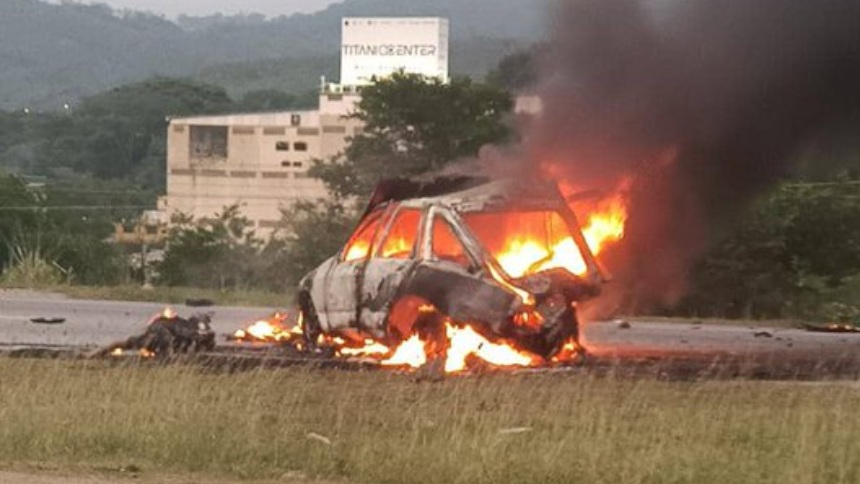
x: 384, y: 428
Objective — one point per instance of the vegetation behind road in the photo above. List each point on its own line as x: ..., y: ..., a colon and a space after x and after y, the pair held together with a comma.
x: 55, y: 54
x: 381, y: 427
x: 794, y: 254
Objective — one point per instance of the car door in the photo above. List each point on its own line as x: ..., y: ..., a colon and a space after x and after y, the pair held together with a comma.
x: 387, y: 267
x: 342, y: 291
x: 451, y: 276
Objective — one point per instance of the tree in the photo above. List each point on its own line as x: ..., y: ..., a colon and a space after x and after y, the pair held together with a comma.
x: 121, y: 133
x: 44, y: 223
x: 310, y: 233
x: 220, y: 252
x: 15, y: 217
x: 795, y: 254
x: 267, y: 100
x: 415, y: 125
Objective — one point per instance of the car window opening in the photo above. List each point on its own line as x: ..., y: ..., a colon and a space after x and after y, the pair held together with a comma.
x: 527, y: 242
x: 359, y: 244
x: 401, y: 238
x: 446, y: 245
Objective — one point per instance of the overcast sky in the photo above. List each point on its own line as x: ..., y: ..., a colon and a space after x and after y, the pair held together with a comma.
x: 173, y: 8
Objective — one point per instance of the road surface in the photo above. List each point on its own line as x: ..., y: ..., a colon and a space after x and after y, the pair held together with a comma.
x: 98, y: 323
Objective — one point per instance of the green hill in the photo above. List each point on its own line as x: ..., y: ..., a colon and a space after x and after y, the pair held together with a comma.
x: 52, y: 54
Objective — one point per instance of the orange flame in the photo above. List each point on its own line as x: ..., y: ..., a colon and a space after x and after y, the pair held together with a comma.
x: 466, y: 341
x: 166, y: 313
x: 463, y: 342
x: 142, y: 352
x: 409, y: 353
x: 527, y: 254
x: 357, y: 250
x: 272, y: 330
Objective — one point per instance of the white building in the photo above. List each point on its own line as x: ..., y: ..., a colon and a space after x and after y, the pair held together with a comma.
x: 377, y: 47
x: 260, y: 160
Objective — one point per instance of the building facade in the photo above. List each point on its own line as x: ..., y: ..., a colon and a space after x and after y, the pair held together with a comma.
x: 259, y: 161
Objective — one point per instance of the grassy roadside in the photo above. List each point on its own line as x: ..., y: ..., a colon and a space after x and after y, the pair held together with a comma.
x: 381, y: 427
x: 168, y: 295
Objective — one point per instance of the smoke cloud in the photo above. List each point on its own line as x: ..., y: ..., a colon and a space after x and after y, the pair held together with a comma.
x: 701, y: 104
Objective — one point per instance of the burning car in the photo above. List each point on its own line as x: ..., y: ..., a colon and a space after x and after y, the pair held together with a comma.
x: 504, y: 259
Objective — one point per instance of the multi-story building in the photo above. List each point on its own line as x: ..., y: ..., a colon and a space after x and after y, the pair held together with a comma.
x: 260, y: 160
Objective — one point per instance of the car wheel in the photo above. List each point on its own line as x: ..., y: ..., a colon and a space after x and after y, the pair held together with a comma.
x: 566, y: 327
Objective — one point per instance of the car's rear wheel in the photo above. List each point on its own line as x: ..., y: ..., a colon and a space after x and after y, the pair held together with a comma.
x: 411, y: 315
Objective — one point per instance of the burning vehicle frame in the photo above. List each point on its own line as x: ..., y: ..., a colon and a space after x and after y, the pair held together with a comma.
x: 427, y: 258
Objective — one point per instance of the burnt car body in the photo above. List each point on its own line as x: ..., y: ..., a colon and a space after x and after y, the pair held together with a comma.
x: 437, y: 245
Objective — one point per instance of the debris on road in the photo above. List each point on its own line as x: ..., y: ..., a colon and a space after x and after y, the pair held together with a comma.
x: 763, y: 334
x: 199, y: 302
x: 165, y: 335
x: 832, y: 328
x: 43, y: 320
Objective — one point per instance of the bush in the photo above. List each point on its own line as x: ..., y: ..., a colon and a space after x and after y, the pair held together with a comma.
x: 30, y: 268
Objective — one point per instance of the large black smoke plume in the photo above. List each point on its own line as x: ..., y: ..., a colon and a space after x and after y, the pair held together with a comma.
x: 701, y: 103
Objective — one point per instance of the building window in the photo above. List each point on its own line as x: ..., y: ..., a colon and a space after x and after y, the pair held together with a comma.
x: 274, y: 130
x: 285, y: 164
x: 297, y: 164
x: 207, y: 142
x: 282, y: 146
x: 300, y: 146
x: 295, y: 119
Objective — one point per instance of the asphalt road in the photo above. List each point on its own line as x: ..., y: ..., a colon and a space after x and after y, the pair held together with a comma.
x: 97, y: 323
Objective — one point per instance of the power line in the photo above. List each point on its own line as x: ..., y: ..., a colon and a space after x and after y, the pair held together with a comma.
x: 24, y: 208
x: 101, y: 192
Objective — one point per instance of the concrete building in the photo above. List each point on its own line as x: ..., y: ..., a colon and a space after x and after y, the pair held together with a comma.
x: 260, y: 160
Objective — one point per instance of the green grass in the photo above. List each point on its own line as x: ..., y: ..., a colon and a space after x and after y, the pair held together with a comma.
x: 385, y: 428
x: 168, y: 295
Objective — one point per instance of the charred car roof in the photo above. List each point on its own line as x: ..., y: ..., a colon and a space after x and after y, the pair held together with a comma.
x: 469, y: 194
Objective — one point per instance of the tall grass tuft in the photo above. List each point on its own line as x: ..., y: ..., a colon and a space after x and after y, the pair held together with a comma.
x: 29, y: 267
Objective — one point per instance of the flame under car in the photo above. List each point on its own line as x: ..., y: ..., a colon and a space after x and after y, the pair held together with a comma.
x: 507, y: 259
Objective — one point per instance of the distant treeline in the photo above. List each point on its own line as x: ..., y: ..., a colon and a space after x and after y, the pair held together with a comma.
x: 55, y: 54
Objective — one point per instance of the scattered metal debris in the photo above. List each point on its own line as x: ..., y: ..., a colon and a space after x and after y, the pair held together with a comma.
x: 167, y: 334
x: 763, y: 334
x: 832, y: 328
x: 44, y: 320
x: 199, y: 302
